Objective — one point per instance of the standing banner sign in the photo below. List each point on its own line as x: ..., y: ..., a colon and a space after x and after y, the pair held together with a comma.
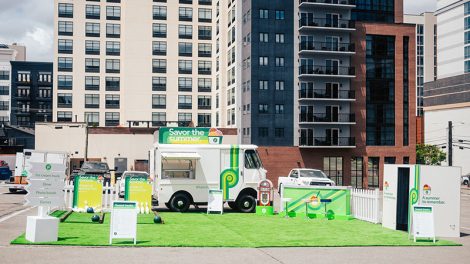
x: 423, y: 222
x: 87, y: 192
x: 123, y: 221
x: 139, y: 189
x: 216, y: 201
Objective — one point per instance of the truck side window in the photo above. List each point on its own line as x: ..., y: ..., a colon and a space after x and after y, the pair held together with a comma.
x: 178, y: 169
x: 294, y: 174
x: 252, y: 160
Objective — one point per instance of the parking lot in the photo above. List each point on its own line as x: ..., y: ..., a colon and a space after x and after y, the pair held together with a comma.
x: 13, y: 219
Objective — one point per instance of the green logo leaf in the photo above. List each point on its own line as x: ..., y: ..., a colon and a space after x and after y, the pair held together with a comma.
x: 48, y: 167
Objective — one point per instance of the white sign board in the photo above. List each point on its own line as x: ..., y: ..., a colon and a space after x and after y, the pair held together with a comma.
x: 423, y: 222
x: 45, y: 184
x: 215, y: 201
x: 123, y: 221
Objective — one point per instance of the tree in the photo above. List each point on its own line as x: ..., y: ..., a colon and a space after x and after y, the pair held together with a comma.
x: 429, y: 154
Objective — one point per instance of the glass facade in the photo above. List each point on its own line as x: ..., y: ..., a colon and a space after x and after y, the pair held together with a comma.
x: 380, y: 89
x: 420, y: 68
x: 374, y: 11
x: 467, y: 37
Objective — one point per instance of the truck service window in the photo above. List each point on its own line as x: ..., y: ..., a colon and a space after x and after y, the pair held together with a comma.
x: 178, y: 169
x: 252, y: 160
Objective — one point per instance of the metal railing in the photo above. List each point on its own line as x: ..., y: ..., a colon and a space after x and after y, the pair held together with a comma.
x: 328, y: 23
x: 326, y: 94
x: 331, y: 2
x: 326, y: 46
x: 327, y: 70
x: 327, y: 141
x: 327, y: 118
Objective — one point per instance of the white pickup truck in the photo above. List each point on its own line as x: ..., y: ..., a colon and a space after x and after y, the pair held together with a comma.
x: 305, y: 177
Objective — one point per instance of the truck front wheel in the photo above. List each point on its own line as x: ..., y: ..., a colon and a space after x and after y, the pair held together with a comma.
x: 246, y: 204
x: 180, y: 202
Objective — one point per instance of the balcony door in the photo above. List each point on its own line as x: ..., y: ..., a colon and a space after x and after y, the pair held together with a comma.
x: 332, y: 113
x: 332, y: 136
x: 332, y: 67
x: 332, y: 20
x: 332, y: 43
x: 306, y: 137
x: 306, y: 113
x: 332, y: 90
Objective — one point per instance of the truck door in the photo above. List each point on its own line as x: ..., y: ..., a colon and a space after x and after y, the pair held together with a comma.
x: 231, y: 180
x: 251, y: 167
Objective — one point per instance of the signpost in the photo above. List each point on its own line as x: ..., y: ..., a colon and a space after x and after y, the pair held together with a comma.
x: 123, y: 221
x: 45, y: 189
x: 423, y: 222
x: 139, y: 189
x: 216, y: 201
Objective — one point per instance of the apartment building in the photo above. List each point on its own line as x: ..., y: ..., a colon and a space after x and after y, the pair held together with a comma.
x: 119, y: 61
x: 31, y: 93
x: 7, y: 54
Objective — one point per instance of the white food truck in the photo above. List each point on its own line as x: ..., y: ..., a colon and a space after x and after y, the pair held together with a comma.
x: 183, y: 174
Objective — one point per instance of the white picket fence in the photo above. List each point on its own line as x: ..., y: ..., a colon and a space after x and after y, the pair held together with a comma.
x: 365, y: 205
x: 111, y: 194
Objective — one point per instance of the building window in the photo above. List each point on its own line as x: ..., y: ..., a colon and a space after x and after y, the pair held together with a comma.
x: 113, y: 84
x: 65, y: 46
x: 113, y: 48
x: 280, y: 37
x: 111, y: 119
x: 92, y: 29
x: 263, y: 85
x: 112, y: 101
x: 65, y: 10
x: 4, y: 90
x: 92, y: 118
x: 113, y: 66
x: 280, y: 85
x: 185, y: 32
x: 204, y: 85
x: 185, y: 67
x: 279, y: 109
x: 374, y: 11
x: 185, y: 102
x: 263, y: 37
x: 279, y: 61
x: 373, y: 172
x: 92, y: 83
x: 113, y: 30
x: 204, y: 102
x: 113, y: 13
x: 159, y: 48
x: 64, y: 100
x: 159, y: 12
x: 185, y: 14
x: 205, y: 33
x: 205, y: 15
x: 92, y: 101
x: 279, y: 132
x: 4, y: 105
x: 263, y: 14
x: 159, y: 66
x: 185, y: 49
x: 159, y: 30
x: 64, y: 116
x: 184, y: 119
x: 4, y: 75
x: 263, y: 132
x: 158, y: 119
x: 65, y: 64
x: 263, y: 61
x: 204, y: 120
x: 263, y: 108
x: 204, y: 50
x: 64, y: 82
x: 92, y: 65
x: 185, y: 84
x: 333, y: 168
x: 406, y: 89
x: 159, y: 84
x: 158, y: 101
x: 65, y: 28
x: 92, y: 11
x: 280, y: 15
x: 357, y: 172
x: 205, y: 67
x: 92, y: 47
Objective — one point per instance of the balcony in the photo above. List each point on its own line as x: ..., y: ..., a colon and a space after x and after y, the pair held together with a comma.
x: 328, y: 3
x: 44, y: 99
x: 327, y: 118
x: 327, y: 94
x: 326, y: 47
x: 23, y: 97
x: 327, y: 142
x: 315, y: 70
x: 327, y: 24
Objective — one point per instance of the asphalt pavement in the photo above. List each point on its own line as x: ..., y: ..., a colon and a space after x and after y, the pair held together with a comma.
x: 13, y: 220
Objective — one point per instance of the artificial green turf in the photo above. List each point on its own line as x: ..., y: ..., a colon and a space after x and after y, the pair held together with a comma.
x: 234, y: 230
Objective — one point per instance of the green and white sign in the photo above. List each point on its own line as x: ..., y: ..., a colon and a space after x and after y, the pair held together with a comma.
x: 45, y: 184
x: 139, y: 189
x: 87, y: 192
x: 189, y: 135
x: 423, y: 222
x: 335, y: 200
x: 123, y: 221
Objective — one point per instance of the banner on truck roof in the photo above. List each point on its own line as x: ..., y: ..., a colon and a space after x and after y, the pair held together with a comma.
x: 190, y: 135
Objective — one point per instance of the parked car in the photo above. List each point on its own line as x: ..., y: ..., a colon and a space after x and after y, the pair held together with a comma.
x: 101, y: 169
x: 127, y: 174
x: 5, y: 173
x: 305, y: 177
x: 465, y: 179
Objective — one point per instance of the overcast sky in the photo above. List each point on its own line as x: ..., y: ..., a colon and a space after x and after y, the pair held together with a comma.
x: 30, y: 22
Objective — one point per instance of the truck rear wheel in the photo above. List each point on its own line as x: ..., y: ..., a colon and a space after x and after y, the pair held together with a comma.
x: 246, y: 204
x: 180, y: 202
x: 233, y: 206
